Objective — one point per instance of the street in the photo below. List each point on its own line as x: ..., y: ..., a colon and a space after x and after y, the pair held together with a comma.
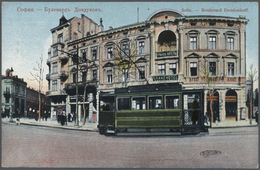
x: 36, y: 146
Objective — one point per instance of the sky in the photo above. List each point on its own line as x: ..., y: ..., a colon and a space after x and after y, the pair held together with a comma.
x: 26, y: 35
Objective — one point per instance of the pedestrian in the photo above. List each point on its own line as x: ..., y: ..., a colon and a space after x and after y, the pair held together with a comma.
x: 106, y: 107
x: 195, y: 111
x: 69, y: 117
x: 63, y: 118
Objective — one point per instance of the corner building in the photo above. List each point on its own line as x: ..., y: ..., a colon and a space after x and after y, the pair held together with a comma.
x: 170, y: 48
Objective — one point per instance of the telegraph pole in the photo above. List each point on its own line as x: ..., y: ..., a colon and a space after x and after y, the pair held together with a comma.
x: 77, y: 90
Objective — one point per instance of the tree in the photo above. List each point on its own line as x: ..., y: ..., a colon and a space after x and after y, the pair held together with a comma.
x: 209, y: 81
x: 125, y: 60
x: 252, y: 78
x: 38, y: 76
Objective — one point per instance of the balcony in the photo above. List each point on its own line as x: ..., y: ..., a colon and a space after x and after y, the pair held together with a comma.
x: 216, y: 79
x: 166, y: 54
x: 48, y: 77
x: 64, y: 59
x: 63, y: 76
x: 48, y: 62
x: 165, y: 78
x: 7, y: 94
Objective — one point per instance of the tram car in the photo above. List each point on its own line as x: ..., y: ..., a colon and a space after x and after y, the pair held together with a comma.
x: 163, y: 109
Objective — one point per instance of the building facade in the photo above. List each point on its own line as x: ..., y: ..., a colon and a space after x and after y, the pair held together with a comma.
x: 168, y: 47
x: 32, y: 103
x: 13, y: 96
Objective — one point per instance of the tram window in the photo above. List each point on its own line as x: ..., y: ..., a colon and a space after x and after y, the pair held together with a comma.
x: 123, y: 104
x: 172, y: 102
x: 138, y: 103
x: 155, y: 102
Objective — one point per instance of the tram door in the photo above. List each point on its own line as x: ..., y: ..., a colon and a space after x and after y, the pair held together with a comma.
x: 192, y: 108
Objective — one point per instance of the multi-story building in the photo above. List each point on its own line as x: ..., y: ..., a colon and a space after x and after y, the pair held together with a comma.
x: 13, y: 95
x: 32, y: 103
x: 168, y: 47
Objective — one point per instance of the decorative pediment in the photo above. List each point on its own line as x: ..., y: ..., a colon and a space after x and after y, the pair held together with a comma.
x: 94, y: 65
x: 140, y: 60
x: 232, y: 56
x: 212, y: 55
x: 109, y: 64
x: 193, y: 55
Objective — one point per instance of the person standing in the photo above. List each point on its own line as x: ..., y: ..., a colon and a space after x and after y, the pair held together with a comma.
x: 195, y: 111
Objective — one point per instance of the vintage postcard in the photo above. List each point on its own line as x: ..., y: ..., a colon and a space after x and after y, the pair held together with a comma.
x: 129, y: 85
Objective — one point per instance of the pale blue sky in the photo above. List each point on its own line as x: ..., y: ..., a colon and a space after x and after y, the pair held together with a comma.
x: 26, y: 35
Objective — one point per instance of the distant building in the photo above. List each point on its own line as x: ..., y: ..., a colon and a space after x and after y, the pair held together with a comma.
x: 33, y: 104
x: 13, y: 95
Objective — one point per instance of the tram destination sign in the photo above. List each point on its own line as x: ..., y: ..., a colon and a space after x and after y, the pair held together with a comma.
x: 165, y: 78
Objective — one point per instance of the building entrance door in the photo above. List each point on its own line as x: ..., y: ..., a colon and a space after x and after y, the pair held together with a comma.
x: 231, y: 104
x: 215, y: 106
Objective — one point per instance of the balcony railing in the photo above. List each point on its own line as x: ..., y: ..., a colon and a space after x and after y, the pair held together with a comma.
x: 166, y: 54
x: 216, y: 79
x: 48, y: 77
x: 48, y: 62
x: 165, y: 78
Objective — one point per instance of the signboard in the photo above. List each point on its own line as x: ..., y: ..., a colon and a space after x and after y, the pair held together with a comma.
x: 165, y: 78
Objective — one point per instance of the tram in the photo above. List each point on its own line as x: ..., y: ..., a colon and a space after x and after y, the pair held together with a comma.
x: 163, y: 109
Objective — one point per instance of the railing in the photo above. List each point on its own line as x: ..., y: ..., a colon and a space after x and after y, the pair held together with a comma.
x: 48, y: 76
x: 216, y: 79
x: 166, y: 53
x: 165, y: 78
x: 48, y: 62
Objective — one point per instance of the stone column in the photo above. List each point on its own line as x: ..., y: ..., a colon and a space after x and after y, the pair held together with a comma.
x: 180, y: 50
x: 52, y: 113
x: 242, y: 59
x: 97, y: 107
x: 222, y: 96
x: 90, y: 99
x: 152, y: 49
x: 79, y: 114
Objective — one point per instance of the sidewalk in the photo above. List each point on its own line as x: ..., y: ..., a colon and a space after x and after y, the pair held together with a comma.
x: 53, y: 123
x: 234, y: 123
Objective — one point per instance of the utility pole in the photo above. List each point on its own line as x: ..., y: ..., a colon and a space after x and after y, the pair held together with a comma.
x: 77, y: 90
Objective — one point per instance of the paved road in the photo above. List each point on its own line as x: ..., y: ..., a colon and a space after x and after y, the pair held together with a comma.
x: 34, y: 146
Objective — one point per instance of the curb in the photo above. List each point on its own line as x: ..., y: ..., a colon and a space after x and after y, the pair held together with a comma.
x: 58, y: 127
x: 234, y: 127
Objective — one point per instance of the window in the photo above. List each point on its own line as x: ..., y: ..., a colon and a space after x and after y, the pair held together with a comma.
x: 155, y: 102
x: 123, y: 103
x: 172, y: 102
x: 78, y: 26
x: 212, y: 42
x: 172, y: 68
x: 138, y: 103
x: 74, y: 77
x: 230, y: 43
x: 84, y: 76
x: 109, y: 53
x: 161, y: 69
x: 193, y: 69
x: 60, y: 38
x: 125, y: 75
x: 141, y: 47
x: 94, y: 53
x: 94, y: 74
x: 75, y: 36
x: 212, y: 68
x: 54, y: 85
x: 230, y: 69
x: 84, y: 55
x: 55, y: 51
x: 109, y: 76
x: 125, y: 49
x: 141, y: 72
x: 193, y: 43
x: 54, y: 68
